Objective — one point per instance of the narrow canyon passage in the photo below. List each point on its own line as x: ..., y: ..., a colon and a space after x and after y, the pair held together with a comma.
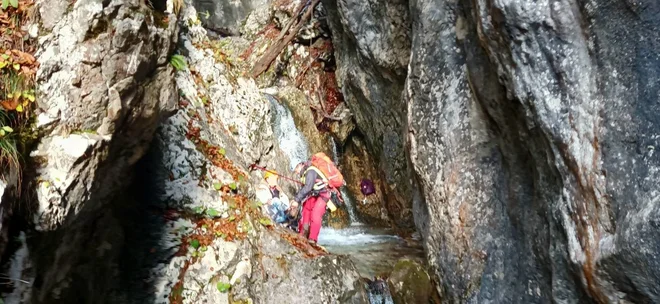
x: 509, y: 148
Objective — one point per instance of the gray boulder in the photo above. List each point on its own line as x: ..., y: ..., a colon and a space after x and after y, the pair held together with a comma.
x: 409, y: 283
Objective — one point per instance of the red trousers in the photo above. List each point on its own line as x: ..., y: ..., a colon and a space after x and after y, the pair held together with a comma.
x: 312, y: 215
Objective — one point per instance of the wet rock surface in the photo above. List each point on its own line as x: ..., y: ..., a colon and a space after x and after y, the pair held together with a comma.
x: 372, y: 42
x: 409, y: 283
x: 356, y: 164
x: 531, y: 129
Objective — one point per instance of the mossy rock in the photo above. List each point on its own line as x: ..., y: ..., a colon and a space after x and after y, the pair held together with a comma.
x: 338, y: 219
x: 409, y: 283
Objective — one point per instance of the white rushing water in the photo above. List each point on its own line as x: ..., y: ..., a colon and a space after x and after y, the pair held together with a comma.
x: 373, y: 250
x: 350, y: 206
x: 291, y: 141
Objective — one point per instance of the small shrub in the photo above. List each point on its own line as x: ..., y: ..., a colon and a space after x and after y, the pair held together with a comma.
x: 223, y: 287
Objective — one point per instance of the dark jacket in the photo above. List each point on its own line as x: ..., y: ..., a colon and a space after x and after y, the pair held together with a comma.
x: 311, y: 177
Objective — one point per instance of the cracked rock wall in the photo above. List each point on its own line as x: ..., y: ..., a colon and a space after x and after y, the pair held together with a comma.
x: 372, y: 42
x: 532, y: 129
x: 104, y: 85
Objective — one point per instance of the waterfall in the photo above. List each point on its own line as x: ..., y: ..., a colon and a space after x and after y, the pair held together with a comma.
x: 291, y: 141
x: 373, y: 250
x: 350, y: 206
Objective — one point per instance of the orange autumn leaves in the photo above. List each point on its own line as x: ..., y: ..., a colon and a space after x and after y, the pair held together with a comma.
x: 17, y: 65
x: 17, y: 69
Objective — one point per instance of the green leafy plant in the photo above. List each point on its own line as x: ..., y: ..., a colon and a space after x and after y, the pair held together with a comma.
x: 212, y: 212
x: 217, y: 186
x: 232, y: 186
x: 198, y: 210
x: 178, y: 62
x: 194, y: 243
x: 7, y: 3
x: 223, y: 287
x: 265, y: 221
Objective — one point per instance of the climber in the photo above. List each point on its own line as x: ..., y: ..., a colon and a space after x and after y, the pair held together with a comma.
x: 320, y: 178
x: 276, y: 202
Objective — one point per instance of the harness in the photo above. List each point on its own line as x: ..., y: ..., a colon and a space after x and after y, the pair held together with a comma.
x: 320, y: 184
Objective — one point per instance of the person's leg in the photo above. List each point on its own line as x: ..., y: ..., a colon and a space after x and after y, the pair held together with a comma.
x: 308, y: 206
x: 317, y: 217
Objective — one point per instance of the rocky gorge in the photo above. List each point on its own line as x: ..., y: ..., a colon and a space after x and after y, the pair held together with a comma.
x: 514, y: 139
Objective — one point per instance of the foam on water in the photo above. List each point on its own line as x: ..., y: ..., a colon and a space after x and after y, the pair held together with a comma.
x: 350, y: 206
x: 354, y: 235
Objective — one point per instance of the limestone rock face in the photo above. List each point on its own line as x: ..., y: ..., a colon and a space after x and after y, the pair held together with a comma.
x: 226, y: 15
x: 372, y: 43
x: 104, y: 85
x: 209, y: 245
x: 531, y: 129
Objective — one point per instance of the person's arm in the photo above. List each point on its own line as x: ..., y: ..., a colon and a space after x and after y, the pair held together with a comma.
x: 310, y: 180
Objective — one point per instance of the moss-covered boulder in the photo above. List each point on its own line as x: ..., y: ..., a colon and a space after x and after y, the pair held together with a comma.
x: 409, y: 283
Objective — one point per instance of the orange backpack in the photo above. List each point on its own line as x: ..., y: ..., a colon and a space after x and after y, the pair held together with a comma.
x: 331, y: 174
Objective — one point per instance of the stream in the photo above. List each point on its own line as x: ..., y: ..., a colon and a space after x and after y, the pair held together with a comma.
x: 374, y: 250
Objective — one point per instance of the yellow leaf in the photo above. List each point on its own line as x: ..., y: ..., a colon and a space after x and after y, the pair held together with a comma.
x: 19, y: 108
x: 17, y: 66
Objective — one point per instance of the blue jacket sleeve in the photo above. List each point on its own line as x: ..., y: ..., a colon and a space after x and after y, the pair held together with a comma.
x: 310, y: 179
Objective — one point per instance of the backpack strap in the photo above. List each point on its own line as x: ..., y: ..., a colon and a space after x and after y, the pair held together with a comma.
x: 319, y: 184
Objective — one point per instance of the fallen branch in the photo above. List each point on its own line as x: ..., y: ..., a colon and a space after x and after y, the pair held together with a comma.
x: 318, y: 92
x: 271, y: 54
x: 291, y: 22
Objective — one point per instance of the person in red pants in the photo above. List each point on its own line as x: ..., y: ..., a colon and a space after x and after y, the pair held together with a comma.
x: 314, y: 195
